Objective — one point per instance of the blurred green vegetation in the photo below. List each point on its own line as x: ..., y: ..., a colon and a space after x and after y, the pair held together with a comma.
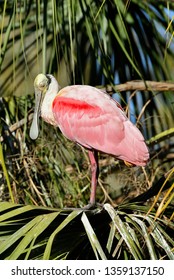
x: 101, y: 43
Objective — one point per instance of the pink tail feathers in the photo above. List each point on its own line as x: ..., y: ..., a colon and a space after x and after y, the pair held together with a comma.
x: 133, y: 146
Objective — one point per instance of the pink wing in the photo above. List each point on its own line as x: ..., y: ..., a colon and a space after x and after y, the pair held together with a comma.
x: 100, y: 128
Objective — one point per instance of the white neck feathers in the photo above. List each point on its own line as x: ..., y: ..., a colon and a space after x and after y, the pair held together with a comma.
x: 46, y: 107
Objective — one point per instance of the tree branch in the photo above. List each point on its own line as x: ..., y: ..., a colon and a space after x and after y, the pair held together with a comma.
x: 143, y: 86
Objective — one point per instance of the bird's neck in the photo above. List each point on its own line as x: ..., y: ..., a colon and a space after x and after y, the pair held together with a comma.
x: 46, y: 108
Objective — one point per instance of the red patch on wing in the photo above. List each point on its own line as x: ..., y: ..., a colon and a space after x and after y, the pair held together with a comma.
x: 70, y: 102
x: 74, y: 105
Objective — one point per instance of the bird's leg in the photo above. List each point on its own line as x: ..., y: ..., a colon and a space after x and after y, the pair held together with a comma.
x: 93, y: 156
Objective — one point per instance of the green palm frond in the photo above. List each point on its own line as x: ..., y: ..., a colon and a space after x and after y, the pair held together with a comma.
x: 82, y: 40
x: 28, y: 232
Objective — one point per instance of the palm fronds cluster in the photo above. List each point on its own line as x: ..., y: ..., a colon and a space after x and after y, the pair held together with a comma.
x: 29, y: 232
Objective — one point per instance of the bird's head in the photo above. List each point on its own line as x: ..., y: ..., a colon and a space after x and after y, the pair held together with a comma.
x: 41, y: 83
x: 41, y: 86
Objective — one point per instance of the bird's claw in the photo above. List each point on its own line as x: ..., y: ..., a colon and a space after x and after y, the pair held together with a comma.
x: 88, y: 207
x: 92, y: 206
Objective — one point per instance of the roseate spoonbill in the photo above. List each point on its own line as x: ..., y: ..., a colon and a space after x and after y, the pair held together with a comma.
x: 92, y: 119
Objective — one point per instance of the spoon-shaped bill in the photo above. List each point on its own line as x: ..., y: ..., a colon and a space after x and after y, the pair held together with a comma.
x: 34, y: 129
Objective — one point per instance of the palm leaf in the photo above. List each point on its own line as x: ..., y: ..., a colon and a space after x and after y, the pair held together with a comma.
x: 47, y: 233
x: 67, y: 220
x: 93, y: 238
x: 119, y: 224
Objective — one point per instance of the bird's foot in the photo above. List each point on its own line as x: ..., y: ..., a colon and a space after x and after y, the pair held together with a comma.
x: 92, y: 206
x: 89, y: 206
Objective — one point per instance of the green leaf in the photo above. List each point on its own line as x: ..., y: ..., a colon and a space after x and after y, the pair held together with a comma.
x: 160, y: 238
x: 49, y: 245
x: 146, y: 237
x: 111, y: 237
x: 121, y: 227
x: 97, y: 248
x: 32, y: 230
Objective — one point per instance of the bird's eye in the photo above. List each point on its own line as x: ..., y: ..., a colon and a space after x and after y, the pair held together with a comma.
x: 41, y: 85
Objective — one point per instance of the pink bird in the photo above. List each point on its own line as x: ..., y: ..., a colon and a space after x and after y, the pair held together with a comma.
x: 90, y: 118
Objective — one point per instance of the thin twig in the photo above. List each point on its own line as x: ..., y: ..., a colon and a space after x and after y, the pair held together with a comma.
x: 18, y: 124
x: 39, y: 194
